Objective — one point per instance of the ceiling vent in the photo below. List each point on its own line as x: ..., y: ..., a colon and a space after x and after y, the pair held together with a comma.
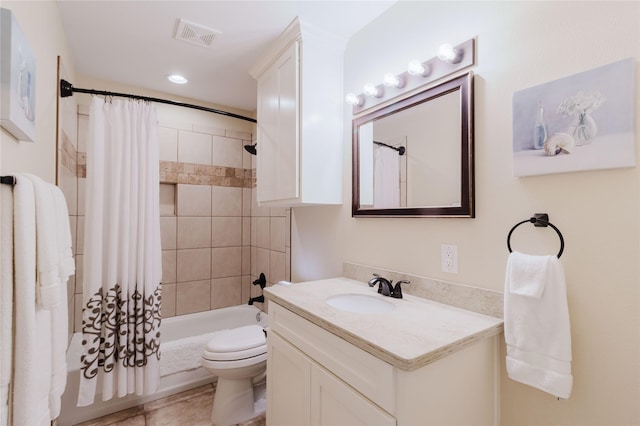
x: 195, y: 34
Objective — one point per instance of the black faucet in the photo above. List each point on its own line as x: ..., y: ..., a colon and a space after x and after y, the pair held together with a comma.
x: 256, y: 299
x: 386, y: 287
x: 397, y: 290
x: 262, y: 282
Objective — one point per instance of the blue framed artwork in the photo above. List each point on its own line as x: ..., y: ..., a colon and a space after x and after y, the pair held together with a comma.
x: 581, y: 122
x: 18, y: 79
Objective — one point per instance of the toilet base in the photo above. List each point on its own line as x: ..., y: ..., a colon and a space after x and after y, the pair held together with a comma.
x: 237, y: 401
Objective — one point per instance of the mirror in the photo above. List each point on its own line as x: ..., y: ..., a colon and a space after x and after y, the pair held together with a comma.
x: 415, y: 157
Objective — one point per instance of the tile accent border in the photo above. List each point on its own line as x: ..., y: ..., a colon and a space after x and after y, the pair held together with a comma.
x: 82, y: 165
x: 200, y: 174
x: 174, y: 172
x: 475, y: 299
x: 68, y: 154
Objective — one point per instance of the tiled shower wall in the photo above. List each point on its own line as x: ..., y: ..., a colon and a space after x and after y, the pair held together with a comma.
x: 215, y: 239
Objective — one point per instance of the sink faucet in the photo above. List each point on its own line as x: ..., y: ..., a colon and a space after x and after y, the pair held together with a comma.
x: 386, y: 287
x: 397, y: 290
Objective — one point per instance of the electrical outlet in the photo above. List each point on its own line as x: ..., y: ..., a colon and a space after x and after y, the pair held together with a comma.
x: 449, y: 258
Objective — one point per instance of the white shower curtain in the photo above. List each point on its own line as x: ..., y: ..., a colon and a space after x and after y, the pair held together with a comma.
x: 386, y: 178
x: 122, y: 258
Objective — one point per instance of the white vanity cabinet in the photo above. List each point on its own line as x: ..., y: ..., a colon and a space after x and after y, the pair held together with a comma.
x: 304, y: 393
x: 299, y: 114
x: 317, y: 378
x: 310, y: 388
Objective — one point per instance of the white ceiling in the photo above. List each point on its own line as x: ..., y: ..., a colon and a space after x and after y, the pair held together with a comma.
x: 132, y: 42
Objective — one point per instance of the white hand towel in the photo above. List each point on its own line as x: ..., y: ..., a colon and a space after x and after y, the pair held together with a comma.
x: 48, y: 277
x: 528, y: 274
x: 537, y: 330
x: 32, y: 343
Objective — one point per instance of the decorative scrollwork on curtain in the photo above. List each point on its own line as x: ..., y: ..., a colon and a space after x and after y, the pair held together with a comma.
x: 122, y: 330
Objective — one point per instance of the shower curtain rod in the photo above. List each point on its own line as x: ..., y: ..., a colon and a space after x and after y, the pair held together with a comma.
x: 400, y: 149
x: 67, y: 89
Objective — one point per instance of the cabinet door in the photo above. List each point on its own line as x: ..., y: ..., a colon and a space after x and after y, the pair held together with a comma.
x: 278, y: 165
x: 335, y: 403
x: 267, y: 135
x: 288, y: 384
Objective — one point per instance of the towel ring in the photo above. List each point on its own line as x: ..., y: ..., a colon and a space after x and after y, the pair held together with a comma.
x: 538, y: 219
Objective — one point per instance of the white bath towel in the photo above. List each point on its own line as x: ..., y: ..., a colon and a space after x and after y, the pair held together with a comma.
x: 6, y: 298
x: 537, y: 329
x: 66, y: 261
x: 54, y: 266
x: 60, y: 315
x: 32, y: 342
x: 48, y: 274
x: 183, y: 354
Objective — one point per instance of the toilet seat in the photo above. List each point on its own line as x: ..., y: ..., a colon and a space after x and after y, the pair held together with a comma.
x: 236, y: 344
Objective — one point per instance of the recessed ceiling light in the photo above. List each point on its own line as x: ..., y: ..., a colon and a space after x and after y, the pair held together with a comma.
x: 176, y: 78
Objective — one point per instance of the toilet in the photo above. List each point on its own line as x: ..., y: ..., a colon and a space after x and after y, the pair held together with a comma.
x: 238, y: 357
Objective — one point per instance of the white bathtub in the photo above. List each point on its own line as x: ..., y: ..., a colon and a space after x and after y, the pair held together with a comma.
x: 174, y: 328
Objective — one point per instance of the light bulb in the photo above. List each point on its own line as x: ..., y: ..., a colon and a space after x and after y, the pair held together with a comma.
x: 448, y: 53
x: 418, y: 68
x: 354, y: 99
x: 370, y: 89
x: 391, y: 80
x: 176, y: 78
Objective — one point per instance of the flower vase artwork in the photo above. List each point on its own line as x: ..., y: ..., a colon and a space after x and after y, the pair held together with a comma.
x: 580, y: 105
x: 539, y: 129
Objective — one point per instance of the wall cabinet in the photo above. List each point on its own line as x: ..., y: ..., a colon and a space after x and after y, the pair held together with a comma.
x: 299, y: 113
x: 316, y: 378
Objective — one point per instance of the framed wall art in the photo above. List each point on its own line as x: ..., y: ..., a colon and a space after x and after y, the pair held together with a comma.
x: 18, y: 79
x: 581, y: 122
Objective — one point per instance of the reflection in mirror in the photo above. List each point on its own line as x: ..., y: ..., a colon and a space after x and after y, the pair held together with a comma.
x: 414, y: 157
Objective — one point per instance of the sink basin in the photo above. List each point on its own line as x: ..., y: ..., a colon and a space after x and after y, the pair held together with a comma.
x: 360, y: 303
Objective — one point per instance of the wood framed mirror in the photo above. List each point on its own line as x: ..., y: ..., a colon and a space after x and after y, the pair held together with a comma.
x: 414, y: 157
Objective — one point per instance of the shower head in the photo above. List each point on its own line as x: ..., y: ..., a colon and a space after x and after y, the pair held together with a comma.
x: 251, y: 149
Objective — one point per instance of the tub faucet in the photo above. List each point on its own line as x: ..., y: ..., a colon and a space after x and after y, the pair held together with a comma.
x: 256, y: 299
x: 384, y: 287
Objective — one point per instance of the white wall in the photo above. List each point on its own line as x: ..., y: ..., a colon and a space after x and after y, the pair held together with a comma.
x: 519, y: 45
x: 41, y: 25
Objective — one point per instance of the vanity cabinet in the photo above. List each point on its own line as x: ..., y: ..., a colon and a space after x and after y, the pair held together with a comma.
x: 304, y: 393
x: 317, y: 378
x: 299, y: 114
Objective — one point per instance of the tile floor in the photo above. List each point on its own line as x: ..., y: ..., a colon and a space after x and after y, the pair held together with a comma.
x: 189, y: 408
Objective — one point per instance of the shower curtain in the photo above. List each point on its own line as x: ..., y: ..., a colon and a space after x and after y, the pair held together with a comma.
x: 386, y: 178
x: 122, y: 258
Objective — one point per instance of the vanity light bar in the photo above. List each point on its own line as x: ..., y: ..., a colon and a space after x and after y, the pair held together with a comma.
x: 372, y: 90
x: 450, y: 60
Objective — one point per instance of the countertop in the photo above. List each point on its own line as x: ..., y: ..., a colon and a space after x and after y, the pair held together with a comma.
x: 417, y: 332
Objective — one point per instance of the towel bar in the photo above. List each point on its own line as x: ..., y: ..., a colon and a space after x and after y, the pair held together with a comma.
x: 541, y: 220
x: 8, y: 180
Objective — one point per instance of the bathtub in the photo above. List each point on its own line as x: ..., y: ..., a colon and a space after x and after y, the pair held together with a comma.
x: 172, y: 329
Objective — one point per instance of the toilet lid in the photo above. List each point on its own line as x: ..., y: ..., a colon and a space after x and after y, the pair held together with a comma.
x: 237, y: 339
